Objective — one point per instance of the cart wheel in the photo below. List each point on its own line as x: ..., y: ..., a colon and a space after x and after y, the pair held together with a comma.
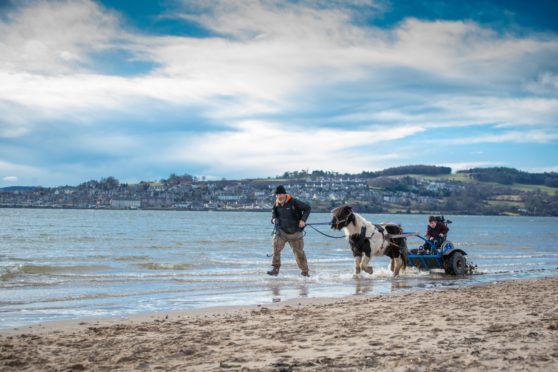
x: 457, y: 264
x: 447, y: 267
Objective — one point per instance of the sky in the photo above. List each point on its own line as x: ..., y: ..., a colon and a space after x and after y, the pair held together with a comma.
x: 139, y: 89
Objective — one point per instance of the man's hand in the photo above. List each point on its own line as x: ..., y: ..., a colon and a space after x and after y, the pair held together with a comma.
x: 274, y: 221
x: 301, y: 224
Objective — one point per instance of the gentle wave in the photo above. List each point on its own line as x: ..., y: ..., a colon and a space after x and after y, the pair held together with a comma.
x: 49, y: 269
x: 92, y: 296
x: 515, y: 257
x: 86, y: 239
x: 163, y: 266
x: 123, y: 258
x: 513, y: 264
x: 8, y: 274
x: 482, y: 244
x: 13, y: 272
x: 499, y: 272
x: 30, y: 284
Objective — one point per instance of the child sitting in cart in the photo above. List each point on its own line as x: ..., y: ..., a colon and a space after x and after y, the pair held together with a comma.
x: 436, y: 232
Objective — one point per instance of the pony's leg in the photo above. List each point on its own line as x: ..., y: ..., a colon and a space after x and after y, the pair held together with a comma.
x: 398, y: 264
x: 357, y: 264
x: 364, y: 264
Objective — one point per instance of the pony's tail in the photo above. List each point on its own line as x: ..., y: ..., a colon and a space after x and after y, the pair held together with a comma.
x: 404, y: 254
x: 403, y: 251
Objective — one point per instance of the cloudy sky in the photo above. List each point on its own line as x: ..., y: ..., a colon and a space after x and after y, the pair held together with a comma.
x: 236, y: 89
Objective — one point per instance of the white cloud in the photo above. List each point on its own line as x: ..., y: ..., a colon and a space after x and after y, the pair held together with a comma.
x: 501, y: 111
x: 439, y: 111
x: 277, y: 50
x: 530, y: 136
x: 547, y: 82
x: 51, y: 36
x: 65, y: 93
x: 465, y: 50
x: 10, y: 179
x: 275, y: 148
x: 271, y: 63
x: 13, y: 172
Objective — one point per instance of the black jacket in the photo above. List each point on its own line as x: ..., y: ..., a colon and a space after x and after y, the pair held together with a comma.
x: 290, y: 213
x: 435, y: 232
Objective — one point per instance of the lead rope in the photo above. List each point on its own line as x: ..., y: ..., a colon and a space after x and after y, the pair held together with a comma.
x: 324, y: 234
x: 277, y: 230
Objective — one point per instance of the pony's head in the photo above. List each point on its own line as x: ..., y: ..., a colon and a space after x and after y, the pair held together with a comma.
x: 342, y: 216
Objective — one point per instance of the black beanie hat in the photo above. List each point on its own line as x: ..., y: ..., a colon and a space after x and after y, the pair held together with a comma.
x: 280, y: 190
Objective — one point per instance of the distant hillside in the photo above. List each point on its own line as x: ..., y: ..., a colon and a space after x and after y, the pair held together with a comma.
x: 509, y: 176
x: 17, y: 188
x: 424, y: 170
x: 427, y: 188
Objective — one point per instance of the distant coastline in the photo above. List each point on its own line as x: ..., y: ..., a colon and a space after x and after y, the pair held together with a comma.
x: 403, y: 190
x: 245, y: 210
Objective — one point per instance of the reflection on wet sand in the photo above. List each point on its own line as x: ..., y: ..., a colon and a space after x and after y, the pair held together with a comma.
x: 363, y: 286
x: 275, y: 288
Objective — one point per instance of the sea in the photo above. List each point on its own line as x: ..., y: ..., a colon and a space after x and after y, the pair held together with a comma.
x: 61, y: 264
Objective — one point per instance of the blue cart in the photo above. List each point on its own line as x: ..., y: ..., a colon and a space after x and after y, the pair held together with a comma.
x: 447, y: 257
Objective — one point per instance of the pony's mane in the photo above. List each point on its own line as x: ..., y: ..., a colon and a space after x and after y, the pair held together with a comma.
x: 359, y: 220
x: 364, y: 220
x: 340, y: 211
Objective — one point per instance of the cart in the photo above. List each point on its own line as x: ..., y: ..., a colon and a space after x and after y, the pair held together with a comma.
x: 447, y: 257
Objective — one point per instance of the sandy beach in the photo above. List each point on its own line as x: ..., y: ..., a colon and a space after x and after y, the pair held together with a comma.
x: 510, y: 325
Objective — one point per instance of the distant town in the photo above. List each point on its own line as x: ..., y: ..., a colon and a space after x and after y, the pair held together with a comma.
x: 408, y: 189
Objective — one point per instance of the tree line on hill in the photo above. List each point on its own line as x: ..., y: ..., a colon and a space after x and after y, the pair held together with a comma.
x: 424, y: 170
x: 509, y: 176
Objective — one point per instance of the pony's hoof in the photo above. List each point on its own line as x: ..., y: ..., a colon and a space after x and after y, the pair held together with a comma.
x: 356, y: 276
x: 368, y: 269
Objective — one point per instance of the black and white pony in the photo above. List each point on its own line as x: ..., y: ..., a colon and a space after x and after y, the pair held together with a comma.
x: 367, y: 239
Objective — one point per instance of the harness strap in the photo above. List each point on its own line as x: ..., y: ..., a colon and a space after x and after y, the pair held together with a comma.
x: 338, y: 221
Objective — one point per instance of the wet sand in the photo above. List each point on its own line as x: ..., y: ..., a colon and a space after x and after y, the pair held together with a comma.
x: 511, y: 326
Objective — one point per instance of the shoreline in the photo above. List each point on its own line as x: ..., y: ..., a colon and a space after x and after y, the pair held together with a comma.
x: 511, y: 325
x: 263, y: 210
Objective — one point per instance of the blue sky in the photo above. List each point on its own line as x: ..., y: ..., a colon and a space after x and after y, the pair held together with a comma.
x: 237, y: 89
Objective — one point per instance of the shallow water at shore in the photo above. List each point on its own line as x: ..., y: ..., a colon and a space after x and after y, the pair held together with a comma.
x: 73, y: 264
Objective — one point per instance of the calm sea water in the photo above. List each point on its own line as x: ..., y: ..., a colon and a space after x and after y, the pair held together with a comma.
x: 74, y: 264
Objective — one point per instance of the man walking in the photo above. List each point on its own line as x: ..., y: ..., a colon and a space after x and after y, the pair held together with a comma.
x: 289, y: 215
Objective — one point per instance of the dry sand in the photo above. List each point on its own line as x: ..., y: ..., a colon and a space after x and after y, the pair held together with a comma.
x: 511, y: 325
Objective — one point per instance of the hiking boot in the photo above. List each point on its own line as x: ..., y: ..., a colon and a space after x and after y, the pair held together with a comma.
x: 305, y: 273
x: 273, y: 272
